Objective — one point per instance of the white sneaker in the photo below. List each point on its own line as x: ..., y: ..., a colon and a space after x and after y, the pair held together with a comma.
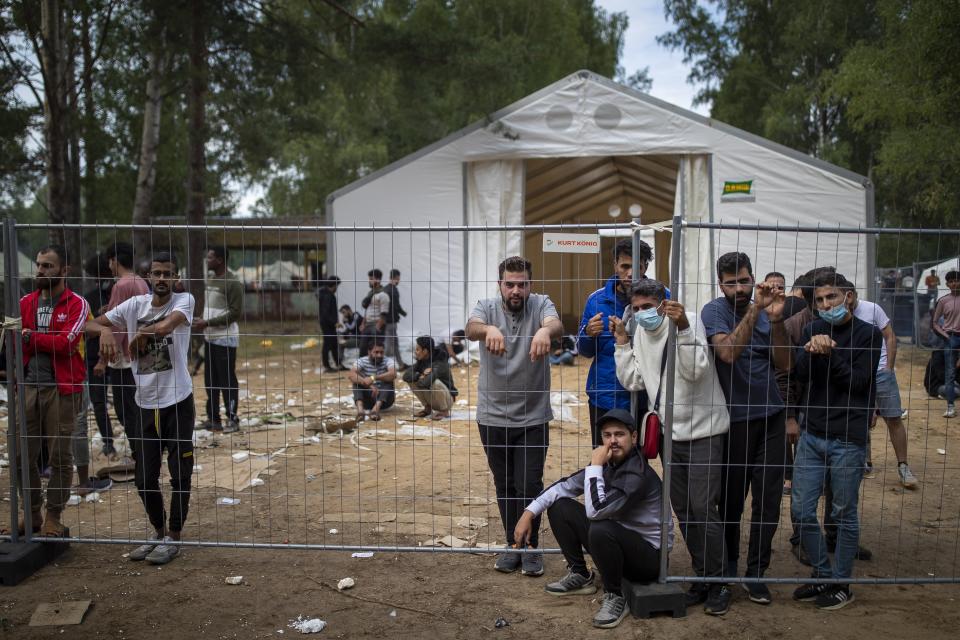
x: 143, y: 551
x: 907, y: 479
x: 951, y: 412
x: 163, y: 553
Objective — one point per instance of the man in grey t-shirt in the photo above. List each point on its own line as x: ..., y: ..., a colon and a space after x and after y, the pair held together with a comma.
x: 513, y: 409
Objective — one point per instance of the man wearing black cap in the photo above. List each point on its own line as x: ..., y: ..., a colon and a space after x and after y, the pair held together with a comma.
x: 618, y: 523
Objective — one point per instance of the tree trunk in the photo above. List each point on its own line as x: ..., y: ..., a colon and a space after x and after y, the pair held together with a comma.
x: 72, y: 236
x: 54, y: 108
x: 91, y: 148
x: 149, y: 145
x: 197, y: 133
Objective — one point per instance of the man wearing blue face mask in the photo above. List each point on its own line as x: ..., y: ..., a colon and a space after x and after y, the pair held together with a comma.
x: 837, y: 363
x: 746, y: 332
x: 700, y: 424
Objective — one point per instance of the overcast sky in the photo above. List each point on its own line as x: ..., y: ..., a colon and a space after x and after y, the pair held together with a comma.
x: 640, y: 49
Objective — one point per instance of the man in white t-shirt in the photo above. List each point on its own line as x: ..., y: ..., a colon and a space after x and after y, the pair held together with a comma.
x: 888, y: 391
x: 158, y: 328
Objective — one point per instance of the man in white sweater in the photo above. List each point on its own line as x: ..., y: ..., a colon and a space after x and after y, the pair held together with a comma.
x: 700, y: 425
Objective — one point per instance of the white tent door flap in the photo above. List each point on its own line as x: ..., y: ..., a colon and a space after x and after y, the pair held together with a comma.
x: 494, y: 197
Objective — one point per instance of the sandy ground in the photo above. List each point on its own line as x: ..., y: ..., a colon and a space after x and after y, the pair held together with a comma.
x: 402, y: 482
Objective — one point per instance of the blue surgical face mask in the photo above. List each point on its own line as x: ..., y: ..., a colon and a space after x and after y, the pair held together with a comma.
x: 835, y: 315
x: 649, y: 319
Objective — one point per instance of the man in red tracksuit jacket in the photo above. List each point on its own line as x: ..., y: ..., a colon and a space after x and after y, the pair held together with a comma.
x: 52, y: 319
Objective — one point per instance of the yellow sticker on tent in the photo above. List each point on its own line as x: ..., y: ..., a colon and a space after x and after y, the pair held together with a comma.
x: 737, y: 191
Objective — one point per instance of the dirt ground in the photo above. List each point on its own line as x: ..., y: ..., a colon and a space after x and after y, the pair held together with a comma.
x: 415, y: 483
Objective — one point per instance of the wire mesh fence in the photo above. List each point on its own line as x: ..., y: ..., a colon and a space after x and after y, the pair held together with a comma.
x: 274, y: 438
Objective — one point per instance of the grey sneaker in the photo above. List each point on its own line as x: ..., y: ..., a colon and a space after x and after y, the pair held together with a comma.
x: 142, y: 551
x: 572, y: 584
x: 531, y: 564
x: 507, y: 562
x: 232, y: 426
x: 951, y: 412
x: 907, y: 479
x: 613, y: 609
x: 164, y: 552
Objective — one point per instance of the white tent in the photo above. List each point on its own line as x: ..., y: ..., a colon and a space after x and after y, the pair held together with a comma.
x: 568, y: 153
x: 951, y: 264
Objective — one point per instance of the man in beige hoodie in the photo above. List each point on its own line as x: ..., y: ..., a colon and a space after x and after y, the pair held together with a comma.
x: 700, y: 425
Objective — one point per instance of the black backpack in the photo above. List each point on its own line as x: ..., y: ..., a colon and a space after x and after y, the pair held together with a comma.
x: 935, y: 375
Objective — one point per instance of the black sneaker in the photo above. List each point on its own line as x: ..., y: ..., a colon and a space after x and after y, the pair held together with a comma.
x: 508, y: 562
x: 808, y: 592
x: 835, y: 597
x: 718, y: 600
x: 232, y: 426
x: 531, y: 564
x: 758, y: 592
x: 697, y: 593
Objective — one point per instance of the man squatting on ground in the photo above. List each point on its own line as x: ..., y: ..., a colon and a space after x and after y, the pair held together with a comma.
x: 595, y: 337
x: 53, y: 317
x: 221, y: 333
x: 430, y: 379
x: 746, y: 332
x: 837, y: 364
x: 618, y: 523
x: 158, y: 328
x: 700, y: 425
x: 513, y: 406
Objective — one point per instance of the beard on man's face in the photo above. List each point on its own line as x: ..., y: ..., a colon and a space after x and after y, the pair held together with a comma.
x: 45, y: 283
x: 515, y: 302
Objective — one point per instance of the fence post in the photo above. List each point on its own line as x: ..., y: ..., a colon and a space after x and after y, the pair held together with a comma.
x: 666, y: 511
x: 11, y: 310
x: 17, y: 411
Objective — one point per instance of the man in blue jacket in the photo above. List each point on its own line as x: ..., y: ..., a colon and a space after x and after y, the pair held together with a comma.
x: 595, y: 340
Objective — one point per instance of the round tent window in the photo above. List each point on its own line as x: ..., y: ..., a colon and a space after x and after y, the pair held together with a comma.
x: 607, y: 116
x: 559, y: 118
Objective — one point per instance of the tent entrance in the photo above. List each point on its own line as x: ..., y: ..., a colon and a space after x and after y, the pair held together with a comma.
x: 583, y: 190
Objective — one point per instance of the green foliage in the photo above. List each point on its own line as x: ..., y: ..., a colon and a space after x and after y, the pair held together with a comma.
x: 871, y: 85
x: 304, y: 96
x: 905, y: 87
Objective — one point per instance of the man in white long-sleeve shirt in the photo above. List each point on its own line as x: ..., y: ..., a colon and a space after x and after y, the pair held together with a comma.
x: 700, y: 425
x: 618, y: 522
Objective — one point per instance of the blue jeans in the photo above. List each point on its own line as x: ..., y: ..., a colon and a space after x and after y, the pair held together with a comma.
x: 817, y: 459
x: 950, y: 362
x: 565, y: 358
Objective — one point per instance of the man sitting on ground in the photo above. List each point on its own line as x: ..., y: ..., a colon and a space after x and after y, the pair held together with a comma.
x: 618, y: 524
x: 430, y: 380
x: 372, y: 377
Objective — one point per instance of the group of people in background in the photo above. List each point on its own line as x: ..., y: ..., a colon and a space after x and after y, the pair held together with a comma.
x: 132, y: 333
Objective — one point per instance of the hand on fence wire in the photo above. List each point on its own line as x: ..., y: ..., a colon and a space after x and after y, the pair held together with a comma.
x: 820, y: 345
x: 675, y: 311
x: 770, y: 299
x: 619, y: 330
x: 595, y: 326
x: 540, y: 345
x: 494, y: 341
